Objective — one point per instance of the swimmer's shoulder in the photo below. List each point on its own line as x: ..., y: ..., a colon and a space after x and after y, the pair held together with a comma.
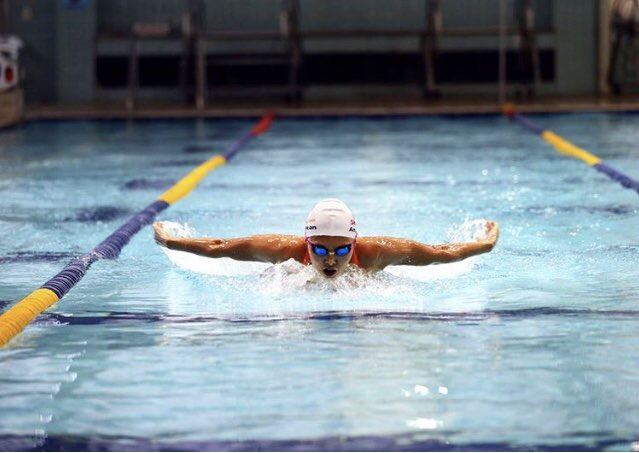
x: 370, y: 251
x: 272, y: 248
x: 290, y: 246
x: 377, y: 252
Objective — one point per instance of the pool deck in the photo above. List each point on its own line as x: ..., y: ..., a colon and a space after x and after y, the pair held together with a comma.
x: 357, y: 107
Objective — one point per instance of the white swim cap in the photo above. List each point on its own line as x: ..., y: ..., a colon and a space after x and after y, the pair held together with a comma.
x: 331, y: 217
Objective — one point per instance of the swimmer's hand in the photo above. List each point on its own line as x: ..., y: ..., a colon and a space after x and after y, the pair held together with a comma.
x: 492, y: 232
x: 161, y: 236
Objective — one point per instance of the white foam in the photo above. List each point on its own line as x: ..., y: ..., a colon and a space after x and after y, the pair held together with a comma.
x: 292, y: 275
x: 213, y: 266
x: 204, y: 265
x: 468, y: 231
x: 433, y: 272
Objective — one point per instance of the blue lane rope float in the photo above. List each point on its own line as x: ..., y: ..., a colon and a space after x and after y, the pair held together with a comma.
x: 16, y: 318
x: 568, y: 149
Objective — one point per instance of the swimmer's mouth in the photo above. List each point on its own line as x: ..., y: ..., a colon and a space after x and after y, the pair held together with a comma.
x: 329, y: 272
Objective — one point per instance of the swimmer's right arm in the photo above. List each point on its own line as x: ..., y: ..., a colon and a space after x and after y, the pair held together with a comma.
x: 269, y: 248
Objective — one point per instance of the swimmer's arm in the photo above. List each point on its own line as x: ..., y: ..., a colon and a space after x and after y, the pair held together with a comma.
x: 269, y: 248
x: 393, y: 251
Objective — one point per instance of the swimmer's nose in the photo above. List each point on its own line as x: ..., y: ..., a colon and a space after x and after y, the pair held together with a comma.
x: 330, y: 260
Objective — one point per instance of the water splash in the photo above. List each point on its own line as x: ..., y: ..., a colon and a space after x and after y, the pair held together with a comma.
x: 291, y: 275
x: 283, y: 277
x: 469, y: 231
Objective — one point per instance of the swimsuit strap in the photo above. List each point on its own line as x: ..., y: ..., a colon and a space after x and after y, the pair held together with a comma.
x: 355, y: 258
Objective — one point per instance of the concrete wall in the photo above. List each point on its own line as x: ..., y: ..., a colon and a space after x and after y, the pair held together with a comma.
x: 576, y: 46
x: 60, y: 41
x: 75, y: 31
x: 35, y: 22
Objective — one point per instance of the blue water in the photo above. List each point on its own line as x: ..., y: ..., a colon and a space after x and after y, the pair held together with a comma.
x: 535, y: 345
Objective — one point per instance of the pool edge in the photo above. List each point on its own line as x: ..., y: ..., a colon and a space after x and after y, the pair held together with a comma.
x: 373, y: 108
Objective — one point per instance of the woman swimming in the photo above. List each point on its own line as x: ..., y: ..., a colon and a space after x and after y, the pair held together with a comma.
x: 330, y: 244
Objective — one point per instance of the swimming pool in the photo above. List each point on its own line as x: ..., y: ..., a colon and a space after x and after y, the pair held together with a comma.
x: 533, y: 345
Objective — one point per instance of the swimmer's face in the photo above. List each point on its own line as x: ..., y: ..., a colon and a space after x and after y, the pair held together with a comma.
x: 332, y: 264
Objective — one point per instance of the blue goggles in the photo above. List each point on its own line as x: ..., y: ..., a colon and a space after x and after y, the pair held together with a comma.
x: 320, y: 250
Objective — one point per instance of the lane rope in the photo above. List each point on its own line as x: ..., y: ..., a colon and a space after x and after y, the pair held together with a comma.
x: 16, y: 318
x: 566, y: 148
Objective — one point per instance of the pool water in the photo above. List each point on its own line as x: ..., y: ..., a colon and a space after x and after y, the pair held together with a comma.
x: 535, y: 345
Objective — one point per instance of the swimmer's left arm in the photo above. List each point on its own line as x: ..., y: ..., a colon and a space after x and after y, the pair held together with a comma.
x: 379, y: 252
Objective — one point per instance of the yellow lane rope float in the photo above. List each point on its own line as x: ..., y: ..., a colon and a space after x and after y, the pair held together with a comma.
x: 566, y: 148
x: 16, y: 318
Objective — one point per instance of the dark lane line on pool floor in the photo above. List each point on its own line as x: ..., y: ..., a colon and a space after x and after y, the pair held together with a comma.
x: 487, y: 315
x: 30, y: 257
x: 399, y: 442
x: 616, y: 209
x: 177, y: 163
x: 192, y: 149
x: 605, y: 209
x: 99, y: 214
x: 144, y: 184
x: 148, y: 184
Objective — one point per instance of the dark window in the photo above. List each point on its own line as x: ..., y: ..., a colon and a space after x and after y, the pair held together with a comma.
x: 325, y: 69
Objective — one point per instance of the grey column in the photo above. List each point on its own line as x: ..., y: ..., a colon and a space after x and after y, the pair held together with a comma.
x: 75, y: 53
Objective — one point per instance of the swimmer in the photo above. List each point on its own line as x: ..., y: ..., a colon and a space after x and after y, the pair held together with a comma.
x: 330, y: 244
